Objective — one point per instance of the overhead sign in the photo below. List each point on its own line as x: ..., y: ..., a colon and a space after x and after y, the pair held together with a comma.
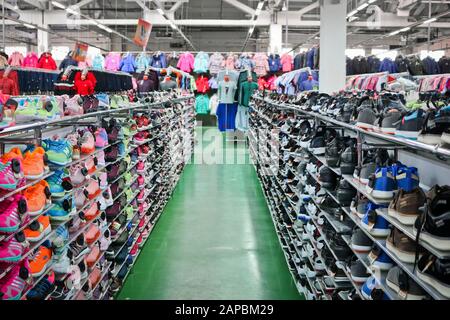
x: 80, y: 52
x: 143, y: 30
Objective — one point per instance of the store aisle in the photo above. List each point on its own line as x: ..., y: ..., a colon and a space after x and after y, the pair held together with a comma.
x: 215, y: 240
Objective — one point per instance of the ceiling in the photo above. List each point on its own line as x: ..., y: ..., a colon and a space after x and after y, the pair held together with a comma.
x: 228, y: 20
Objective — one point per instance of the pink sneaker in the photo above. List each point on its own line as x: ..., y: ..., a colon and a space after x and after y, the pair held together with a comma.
x: 103, y: 177
x: 141, y: 181
x: 134, y: 250
x: 141, y: 209
x: 93, y: 189
x: 141, y: 224
x: 10, y: 173
x: 101, y: 158
x: 145, y: 234
x: 12, y: 213
x: 13, y: 284
x: 139, y: 138
x: 141, y: 196
x: 78, y: 174
x: 101, y: 138
x: 11, y: 250
x: 80, y: 198
x: 140, y: 241
x: 140, y: 167
x: 87, y: 143
x: 74, y: 106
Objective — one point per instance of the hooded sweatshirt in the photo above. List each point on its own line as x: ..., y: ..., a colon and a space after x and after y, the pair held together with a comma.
x: 216, y: 62
x: 85, y: 87
x: 186, y: 62
x: 201, y: 62
x: 16, y: 59
x: 98, y: 62
x: 142, y: 62
x: 46, y: 61
x: 261, y: 64
x: 286, y: 62
x: 127, y: 64
x: 31, y: 60
x: 112, y: 61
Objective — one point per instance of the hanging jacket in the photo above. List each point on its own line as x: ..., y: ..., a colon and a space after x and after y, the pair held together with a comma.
x: 85, y: 87
x: 414, y: 66
x: 172, y: 60
x: 401, y: 64
x: 261, y: 64
x: 230, y: 62
x: 213, y: 83
x: 68, y: 61
x: 286, y: 62
x: 298, y: 61
x: 31, y: 60
x: 216, y: 62
x: 98, y: 62
x: 430, y: 66
x: 186, y: 62
x: 87, y: 63
x: 202, y: 104
x: 16, y: 59
x: 245, y: 62
x: 128, y: 64
x: 201, y: 62
x: 444, y: 65
x: 310, y: 58
x: 388, y: 65
x: 316, y: 58
x: 202, y: 84
x: 142, y: 62
x: 373, y: 64
x: 112, y: 61
x: 349, y: 67
x: 158, y: 61
x: 274, y: 63
x: 46, y: 62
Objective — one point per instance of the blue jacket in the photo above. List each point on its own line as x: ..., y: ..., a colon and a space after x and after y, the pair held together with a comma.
x: 274, y: 63
x: 98, y: 62
x: 308, y: 85
x: 310, y: 58
x: 68, y: 61
x: 158, y: 61
x: 127, y: 64
x: 142, y: 62
x: 430, y: 66
x: 388, y: 65
x: 201, y: 62
x: 245, y: 62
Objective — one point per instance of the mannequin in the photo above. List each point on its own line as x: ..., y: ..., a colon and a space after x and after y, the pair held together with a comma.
x: 85, y: 83
x: 6, y: 84
x: 247, y: 89
x: 227, y: 108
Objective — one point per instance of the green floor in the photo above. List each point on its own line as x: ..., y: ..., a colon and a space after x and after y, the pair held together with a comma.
x: 215, y: 240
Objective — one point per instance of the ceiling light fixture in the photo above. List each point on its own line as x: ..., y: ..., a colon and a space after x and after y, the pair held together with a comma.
x: 404, y: 29
x: 371, y: 1
x: 362, y: 7
x: 429, y: 21
x: 160, y: 11
x: 72, y: 11
x: 58, y: 4
x: 393, y: 33
x: 351, y: 14
x: 29, y: 26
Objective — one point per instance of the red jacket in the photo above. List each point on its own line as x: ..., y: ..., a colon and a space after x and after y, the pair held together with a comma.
x: 46, y: 62
x: 202, y: 84
x: 7, y: 86
x: 85, y: 87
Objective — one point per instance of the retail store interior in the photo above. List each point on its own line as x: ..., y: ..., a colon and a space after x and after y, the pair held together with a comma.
x: 225, y: 150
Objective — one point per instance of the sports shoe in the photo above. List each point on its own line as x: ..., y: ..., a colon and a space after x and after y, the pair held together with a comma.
x: 61, y: 210
x: 92, y: 212
x: 366, y: 118
x: 87, y: 143
x: 327, y: 177
x: 32, y: 163
x: 38, y: 229
x: 360, y: 242
x: 433, y: 129
x: 80, y: 196
x: 78, y: 174
x: 92, y: 234
x: 433, y: 225
x: 358, y: 207
x: 391, y: 117
x: 40, y: 260
x: 60, y: 238
x: 79, y: 248
x: 359, y: 272
x: 374, y: 223
x: 402, y: 284
x: 91, y: 165
x: 58, y: 184
x: 345, y: 193
x: 407, y: 178
x: 402, y: 246
x: 59, y: 152
x: 380, y: 260
x: 382, y: 184
x: 101, y: 138
x: 348, y: 158
x: 103, y: 180
x: 12, y: 212
x: 371, y: 290
x: 101, y: 158
x: 411, y: 125
x: 10, y: 174
x: 434, y: 272
x: 74, y: 106
x: 43, y: 288
x: 93, y: 189
x: 13, y: 284
x: 405, y: 207
x: 11, y: 251
x: 37, y: 197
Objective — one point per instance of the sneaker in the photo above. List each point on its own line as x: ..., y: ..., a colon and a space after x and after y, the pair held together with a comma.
x: 374, y: 223
x: 379, y: 259
x: 78, y: 174
x: 12, y: 213
x: 101, y: 138
x: 59, y: 152
x: 101, y: 158
x: 411, y: 125
x: 37, y: 197
x: 434, y: 272
x: 371, y: 290
x: 433, y: 225
x: 366, y: 118
x: 93, y: 189
x: 58, y: 184
x: 433, y: 129
x: 79, y: 248
x: 360, y: 242
x: 43, y: 288
x: 13, y: 284
x: 359, y: 272
x: 40, y: 260
x: 91, y: 165
x: 74, y: 106
x: 402, y: 284
x: 407, y: 178
x: 348, y: 158
x: 391, y: 117
x: 10, y: 173
x: 345, y: 193
x: 405, y: 207
x: 33, y: 164
x: 327, y: 177
x: 11, y: 251
x: 402, y: 246
x: 87, y: 143
x: 358, y: 207
x: 61, y: 210
x: 60, y: 238
x: 382, y: 184
x: 38, y: 229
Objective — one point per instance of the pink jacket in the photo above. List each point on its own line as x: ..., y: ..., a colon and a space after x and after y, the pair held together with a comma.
x: 261, y: 64
x: 186, y: 62
x: 112, y: 61
x: 16, y: 59
x: 286, y: 62
x: 230, y: 62
x: 31, y: 60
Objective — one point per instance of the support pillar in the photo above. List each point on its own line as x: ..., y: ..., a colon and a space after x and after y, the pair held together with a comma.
x: 333, y: 41
x: 275, y: 38
x: 42, y: 40
x: 116, y: 43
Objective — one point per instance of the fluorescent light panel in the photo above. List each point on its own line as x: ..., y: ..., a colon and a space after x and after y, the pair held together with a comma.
x: 71, y: 11
x: 160, y: 11
x: 58, y: 4
x: 429, y: 21
x: 29, y: 26
x: 363, y: 6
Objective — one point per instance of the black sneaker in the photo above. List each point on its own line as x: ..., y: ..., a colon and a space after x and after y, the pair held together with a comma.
x: 333, y: 152
x: 340, y: 248
x: 327, y: 177
x: 328, y: 205
x: 349, y: 157
x: 432, y: 129
x: 435, y: 272
x: 359, y: 272
x: 345, y: 193
x: 345, y: 113
x: 367, y: 114
x: 79, y: 249
x: 411, y: 125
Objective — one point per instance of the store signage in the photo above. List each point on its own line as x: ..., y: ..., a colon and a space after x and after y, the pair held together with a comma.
x: 142, y: 34
x: 80, y: 52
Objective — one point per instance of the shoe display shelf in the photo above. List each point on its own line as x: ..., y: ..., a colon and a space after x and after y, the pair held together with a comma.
x: 34, y: 133
x: 434, y: 152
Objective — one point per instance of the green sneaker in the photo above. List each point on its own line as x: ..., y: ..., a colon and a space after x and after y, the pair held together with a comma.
x: 129, y: 193
x: 127, y: 177
x: 414, y: 105
x: 129, y: 211
x: 27, y: 113
x: 48, y: 110
x: 113, y: 103
x: 59, y: 152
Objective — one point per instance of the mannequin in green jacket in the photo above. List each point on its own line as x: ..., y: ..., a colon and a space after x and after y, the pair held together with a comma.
x: 246, y: 91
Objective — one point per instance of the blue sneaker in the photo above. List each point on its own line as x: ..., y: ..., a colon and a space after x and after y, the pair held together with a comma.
x: 59, y: 152
x: 375, y: 224
x: 407, y: 178
x: 382, y: 260
x: 411, y: 125
x: 61, y: 236
x: 41, y: 290
x: 103, y: 101
x: 371, y: 291
x: 58, y: 185
x: 61, y: 210
x: 382, y: 184
x: 121, y: 149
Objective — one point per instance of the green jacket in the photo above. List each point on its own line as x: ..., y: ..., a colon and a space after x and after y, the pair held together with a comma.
x: 246, y: 91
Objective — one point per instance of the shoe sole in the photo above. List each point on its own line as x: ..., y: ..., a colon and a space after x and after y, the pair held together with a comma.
x: 396, y: 289
x: 40, y: 273
x: 317, y: 151
x: 11, y: 259
x: 58, y: 195
x: 431, y: 139
x: 35, y: 213
x: 9, y: 229
x: 403, y: 256
x: 407, y: 220
x: 384, y: 266
x: 34, y: 177
x: 359, y: 279
x: 384, y: 195
x: 434, y: 241
x: 57, y: 163
x: 60, y: 218
x: 439, y: 286
x: 376, y: 232
x: 361, y: 249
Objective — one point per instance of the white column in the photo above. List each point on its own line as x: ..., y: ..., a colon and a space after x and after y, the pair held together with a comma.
x: 275, y: 38
x: 333, y: 42
x: 42, y: 40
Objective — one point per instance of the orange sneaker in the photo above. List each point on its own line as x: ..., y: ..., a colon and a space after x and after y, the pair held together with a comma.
x: 33, y: 164
x: 92, y: 212
x: 37, y: 197
x: 40, y: 261
x: 92, y: 234
x: 93, y: 256
x: 14, y: 153
x: 38, y: 229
